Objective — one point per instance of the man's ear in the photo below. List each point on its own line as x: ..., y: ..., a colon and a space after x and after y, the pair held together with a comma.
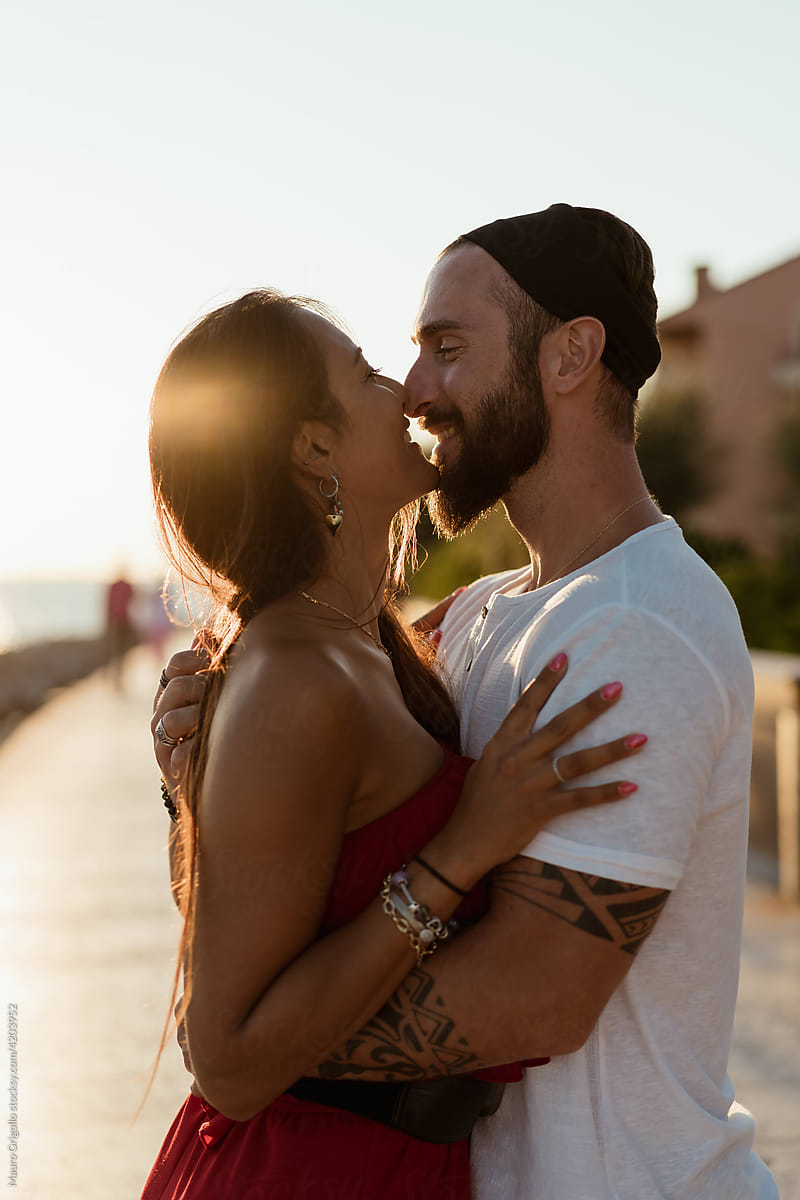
x: 311, y: 449
x: 580, y: 344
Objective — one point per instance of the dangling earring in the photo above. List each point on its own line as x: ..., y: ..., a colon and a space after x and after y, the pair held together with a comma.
x: 335, y: 516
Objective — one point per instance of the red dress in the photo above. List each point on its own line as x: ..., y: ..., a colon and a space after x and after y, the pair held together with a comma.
x: 294, y: 1149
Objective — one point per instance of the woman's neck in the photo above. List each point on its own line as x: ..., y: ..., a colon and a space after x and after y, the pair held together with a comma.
x: 355, y: 576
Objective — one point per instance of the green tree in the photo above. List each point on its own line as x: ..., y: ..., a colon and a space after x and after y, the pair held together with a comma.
x: 493, y: 545
x: 680, y: 460
x: 785, y: 453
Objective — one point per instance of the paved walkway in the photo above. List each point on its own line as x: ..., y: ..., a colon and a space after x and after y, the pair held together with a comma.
x: 88, y: 935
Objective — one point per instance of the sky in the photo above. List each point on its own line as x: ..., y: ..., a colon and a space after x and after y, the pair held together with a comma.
x: 161, y: 158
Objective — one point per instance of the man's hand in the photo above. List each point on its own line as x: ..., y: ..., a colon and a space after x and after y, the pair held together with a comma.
x: 178, y: 706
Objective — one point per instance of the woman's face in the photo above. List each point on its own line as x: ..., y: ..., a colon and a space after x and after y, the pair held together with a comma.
x: 377, y: 463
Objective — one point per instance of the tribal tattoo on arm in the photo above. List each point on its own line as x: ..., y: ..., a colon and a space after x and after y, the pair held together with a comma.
x: 413, y: 1023
x: 622, y: 913
x: 414, y: 1036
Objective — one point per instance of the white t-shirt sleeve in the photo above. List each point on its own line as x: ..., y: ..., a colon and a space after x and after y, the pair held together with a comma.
x: 672, y: 694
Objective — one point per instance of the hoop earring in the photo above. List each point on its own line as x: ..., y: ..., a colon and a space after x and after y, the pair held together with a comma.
x: 335, y: 517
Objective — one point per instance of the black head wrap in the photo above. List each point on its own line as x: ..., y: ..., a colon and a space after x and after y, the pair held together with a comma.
x: 561, y: 261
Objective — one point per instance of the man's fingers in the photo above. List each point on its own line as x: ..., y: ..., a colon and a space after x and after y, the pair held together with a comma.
x: 178, y: 723
x: 434, y: 617
x: 179, y: 762
x: 592, y: 758
x: 184, y: 689
x: 185, y: 663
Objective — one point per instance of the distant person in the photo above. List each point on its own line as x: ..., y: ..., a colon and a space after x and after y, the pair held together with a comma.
x: 330, y: 828
x: 617, y: 931
x: 120, y: 634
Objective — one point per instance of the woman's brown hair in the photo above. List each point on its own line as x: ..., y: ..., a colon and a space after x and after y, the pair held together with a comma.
x: 226, y: 407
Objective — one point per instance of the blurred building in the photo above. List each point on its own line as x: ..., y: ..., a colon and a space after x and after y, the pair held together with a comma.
x: 739, y: 350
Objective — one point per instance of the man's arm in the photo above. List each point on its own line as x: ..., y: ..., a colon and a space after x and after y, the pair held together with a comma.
x: 530, y: 980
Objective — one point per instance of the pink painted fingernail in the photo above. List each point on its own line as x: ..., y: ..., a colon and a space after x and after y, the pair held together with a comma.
x: 558, y: 662
x: 627, y: 789
x: 611, y: 691
x: 635, y: 741
x: 435, y: 637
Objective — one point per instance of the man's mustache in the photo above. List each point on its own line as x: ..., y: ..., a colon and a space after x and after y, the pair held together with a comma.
x: 441, y: 417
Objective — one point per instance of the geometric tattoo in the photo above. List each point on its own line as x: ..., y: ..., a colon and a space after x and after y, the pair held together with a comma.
x: 623, y: 913
x: 412, y: 1022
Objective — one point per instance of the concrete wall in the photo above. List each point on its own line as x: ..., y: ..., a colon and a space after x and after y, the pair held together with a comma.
x: 775, y: 687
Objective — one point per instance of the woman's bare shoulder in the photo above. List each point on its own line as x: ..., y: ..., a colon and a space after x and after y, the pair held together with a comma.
x: 284, y: 715
x: 293, y: 680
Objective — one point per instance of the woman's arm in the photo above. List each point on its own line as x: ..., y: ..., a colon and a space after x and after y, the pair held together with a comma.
x: 269, y: 1002
x: 265, y: 1001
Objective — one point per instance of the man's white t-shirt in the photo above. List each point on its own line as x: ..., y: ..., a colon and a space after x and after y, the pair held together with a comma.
x: 645, y: 1109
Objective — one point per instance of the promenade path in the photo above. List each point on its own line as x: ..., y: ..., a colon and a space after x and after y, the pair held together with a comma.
x: 88, y: 935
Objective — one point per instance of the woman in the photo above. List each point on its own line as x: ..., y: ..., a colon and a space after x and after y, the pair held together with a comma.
x: 280, y: 459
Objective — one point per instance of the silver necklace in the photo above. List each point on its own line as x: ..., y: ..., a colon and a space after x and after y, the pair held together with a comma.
x: 580, y: 554
x: 347, y: 617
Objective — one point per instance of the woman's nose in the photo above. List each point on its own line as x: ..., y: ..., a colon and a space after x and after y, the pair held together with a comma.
x: 396, y: 388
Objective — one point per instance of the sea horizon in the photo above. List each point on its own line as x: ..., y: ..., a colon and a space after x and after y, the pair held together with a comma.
x: 41, y: 610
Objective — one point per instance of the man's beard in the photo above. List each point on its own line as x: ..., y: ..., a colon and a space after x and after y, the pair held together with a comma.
x: 507, y: 436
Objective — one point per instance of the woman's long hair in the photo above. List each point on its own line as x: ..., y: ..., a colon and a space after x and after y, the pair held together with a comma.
x: 235, y: 524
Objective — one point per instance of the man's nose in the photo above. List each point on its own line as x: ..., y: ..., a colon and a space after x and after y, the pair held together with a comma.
x: 420, y: 390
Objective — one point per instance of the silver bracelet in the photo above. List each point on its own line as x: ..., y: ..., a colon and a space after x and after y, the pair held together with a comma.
x: 423, y: 931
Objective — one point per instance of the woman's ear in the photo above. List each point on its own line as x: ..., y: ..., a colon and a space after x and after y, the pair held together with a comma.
x: 581, y: 343
x: 311, y: 449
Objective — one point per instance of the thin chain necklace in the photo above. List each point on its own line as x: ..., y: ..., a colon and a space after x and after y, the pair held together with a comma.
x: 347, y: 617
x: 580, y: 554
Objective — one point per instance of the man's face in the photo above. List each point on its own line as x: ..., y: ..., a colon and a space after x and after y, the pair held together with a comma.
x: 476, y: 392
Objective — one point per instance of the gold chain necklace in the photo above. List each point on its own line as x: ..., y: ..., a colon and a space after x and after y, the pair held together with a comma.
x: 581, y: 553
x: 347, y: 617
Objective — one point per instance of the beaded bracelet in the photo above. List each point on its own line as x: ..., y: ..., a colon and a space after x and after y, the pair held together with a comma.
x: 169, y: 803
x: 423, y: 931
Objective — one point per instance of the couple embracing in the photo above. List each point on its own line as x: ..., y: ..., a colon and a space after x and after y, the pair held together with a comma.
x: 465, y: 921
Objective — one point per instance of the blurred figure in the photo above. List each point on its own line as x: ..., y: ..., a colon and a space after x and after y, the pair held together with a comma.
x: 120, y: 634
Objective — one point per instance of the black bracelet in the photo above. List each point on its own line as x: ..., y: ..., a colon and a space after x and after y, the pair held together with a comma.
x: 169, y: 803
x: 418, y: 858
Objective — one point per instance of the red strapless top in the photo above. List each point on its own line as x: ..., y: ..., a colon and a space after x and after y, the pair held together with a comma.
x: 297, y: 1148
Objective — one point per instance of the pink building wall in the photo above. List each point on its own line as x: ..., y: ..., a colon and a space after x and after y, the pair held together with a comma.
x: 741, y: 349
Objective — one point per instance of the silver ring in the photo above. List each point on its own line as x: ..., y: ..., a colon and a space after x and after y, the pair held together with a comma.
x: 164, y: 737
x: 554, y: 765
x: 163, y: 678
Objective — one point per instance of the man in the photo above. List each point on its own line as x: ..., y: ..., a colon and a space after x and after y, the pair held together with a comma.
x: 615, y: 937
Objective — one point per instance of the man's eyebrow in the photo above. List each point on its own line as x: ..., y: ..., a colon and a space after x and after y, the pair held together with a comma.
x: 357, y: 355
x: 423, y: 333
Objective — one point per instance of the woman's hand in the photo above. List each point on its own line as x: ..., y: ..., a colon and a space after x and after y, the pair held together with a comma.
x: 430, y: 621
x: 515, y: 788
